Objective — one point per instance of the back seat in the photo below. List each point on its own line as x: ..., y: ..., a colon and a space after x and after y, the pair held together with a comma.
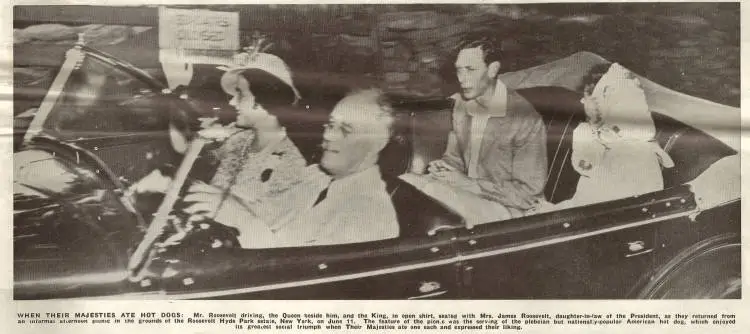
x: 560, y: 108
x: 562, y: 111
x: 421, y: 131
x: 425, y: 127
x: 692, y: 150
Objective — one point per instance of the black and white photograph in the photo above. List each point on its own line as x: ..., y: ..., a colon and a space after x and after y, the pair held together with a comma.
x: 377, y: 151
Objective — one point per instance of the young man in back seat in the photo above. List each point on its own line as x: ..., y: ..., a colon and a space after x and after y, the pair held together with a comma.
x: 497, y: 147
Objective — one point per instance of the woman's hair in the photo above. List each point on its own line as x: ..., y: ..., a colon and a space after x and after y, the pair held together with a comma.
x: 593, y: 76
x: 279, y: 99
x: 274, y: 95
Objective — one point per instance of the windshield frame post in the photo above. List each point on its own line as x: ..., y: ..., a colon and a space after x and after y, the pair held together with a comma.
x: 73, y: 59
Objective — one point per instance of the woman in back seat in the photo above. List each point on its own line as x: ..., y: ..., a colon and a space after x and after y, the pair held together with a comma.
x: 615, y: 151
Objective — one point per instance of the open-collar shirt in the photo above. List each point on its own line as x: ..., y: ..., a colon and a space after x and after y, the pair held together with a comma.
x: 497, y: 106
x: 501, y: 147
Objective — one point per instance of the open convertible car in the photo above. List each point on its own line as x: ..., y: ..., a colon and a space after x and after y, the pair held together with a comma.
x: 105, y: 124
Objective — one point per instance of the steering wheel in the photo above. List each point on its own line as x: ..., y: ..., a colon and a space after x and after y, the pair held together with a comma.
x: 161, y: 218
x: 201, y: 235
x: 180, y: 129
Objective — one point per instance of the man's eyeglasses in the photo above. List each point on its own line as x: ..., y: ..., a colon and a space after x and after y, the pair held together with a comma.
x: 344, y: 128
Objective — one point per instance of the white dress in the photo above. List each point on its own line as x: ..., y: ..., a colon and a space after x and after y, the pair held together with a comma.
x: 619, y: 158
x: 613, y: 168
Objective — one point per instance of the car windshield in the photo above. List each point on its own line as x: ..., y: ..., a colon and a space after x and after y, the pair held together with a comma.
x: 101, y: 100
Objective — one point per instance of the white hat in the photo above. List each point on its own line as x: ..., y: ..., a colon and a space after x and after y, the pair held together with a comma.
x: 623, y: 104
x: 262, y: 61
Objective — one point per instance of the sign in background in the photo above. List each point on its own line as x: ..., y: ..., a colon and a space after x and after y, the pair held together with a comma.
x: 195, y: 36
x: 198, y: 29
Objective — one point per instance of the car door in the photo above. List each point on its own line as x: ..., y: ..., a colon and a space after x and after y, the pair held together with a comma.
x: 596, y: 251
x: 408, y: 267
x: 420, y: 263
x: 71, y: 230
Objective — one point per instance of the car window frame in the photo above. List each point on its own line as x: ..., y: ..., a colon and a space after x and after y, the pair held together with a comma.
x: 77, y: 54
x: 105, y: 107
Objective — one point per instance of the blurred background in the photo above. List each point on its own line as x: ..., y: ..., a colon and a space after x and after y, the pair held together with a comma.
x: 690, y: 47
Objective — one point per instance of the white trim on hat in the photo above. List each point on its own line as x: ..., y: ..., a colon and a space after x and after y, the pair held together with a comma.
x: 262, y: 61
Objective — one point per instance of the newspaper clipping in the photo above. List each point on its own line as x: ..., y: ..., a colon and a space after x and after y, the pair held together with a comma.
x: 484, y: 167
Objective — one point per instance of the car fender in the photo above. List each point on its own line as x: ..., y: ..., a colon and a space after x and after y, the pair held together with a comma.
x: 661, y: 283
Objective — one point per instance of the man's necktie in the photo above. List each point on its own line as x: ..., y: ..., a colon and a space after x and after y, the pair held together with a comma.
x: 322, y: 196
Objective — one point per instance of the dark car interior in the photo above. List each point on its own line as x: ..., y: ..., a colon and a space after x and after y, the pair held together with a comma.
x: 420, y: 135
x: 422, y: 132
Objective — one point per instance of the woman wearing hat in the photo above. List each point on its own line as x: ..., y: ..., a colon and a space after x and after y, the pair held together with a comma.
x: 615, y: 151
x: 261, y: 161
x: 258, y: 160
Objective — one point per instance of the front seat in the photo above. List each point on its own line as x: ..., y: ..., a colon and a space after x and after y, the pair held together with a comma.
x: 419, y: 215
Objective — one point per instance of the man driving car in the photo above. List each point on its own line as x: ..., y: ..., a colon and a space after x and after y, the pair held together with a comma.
x: 343, y: 200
